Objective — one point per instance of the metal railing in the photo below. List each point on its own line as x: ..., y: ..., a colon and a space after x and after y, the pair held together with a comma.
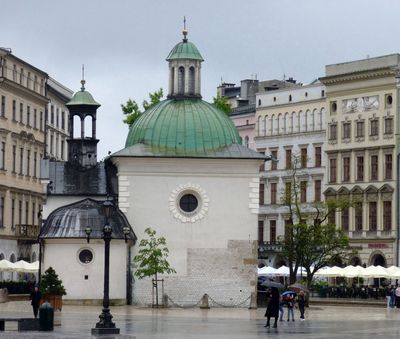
x: 268, y: 247
x: 27, y: 232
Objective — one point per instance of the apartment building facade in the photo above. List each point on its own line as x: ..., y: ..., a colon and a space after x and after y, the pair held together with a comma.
x: 23, y: 104
x: 290, y: 123
x: 361, y: 147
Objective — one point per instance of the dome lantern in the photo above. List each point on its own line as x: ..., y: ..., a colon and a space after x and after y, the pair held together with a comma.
x: 184, y: 69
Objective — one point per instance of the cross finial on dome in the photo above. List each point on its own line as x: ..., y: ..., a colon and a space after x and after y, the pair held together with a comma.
x: 184, y: 31
x: 83, y: 78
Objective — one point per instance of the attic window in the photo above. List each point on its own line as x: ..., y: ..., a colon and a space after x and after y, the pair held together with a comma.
x: 85, y: 256
x: 259, y: 102
x: 274, y: 99
x: 290, y: 97
x: 306, y: 94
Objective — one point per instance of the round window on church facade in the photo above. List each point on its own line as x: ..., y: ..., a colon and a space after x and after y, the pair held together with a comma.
x: 85, y: 256
x: 188, y: 203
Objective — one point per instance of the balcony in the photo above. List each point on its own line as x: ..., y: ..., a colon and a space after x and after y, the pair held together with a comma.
x: 268, y: 247
x: 28, y: 233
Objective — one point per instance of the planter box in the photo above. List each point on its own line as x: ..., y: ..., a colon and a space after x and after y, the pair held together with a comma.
x: 54, y: 300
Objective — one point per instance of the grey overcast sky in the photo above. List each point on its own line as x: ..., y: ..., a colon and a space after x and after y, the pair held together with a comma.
x: 123, y: 43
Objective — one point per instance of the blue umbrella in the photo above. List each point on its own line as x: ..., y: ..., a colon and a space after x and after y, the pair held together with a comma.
x: 288, y: 292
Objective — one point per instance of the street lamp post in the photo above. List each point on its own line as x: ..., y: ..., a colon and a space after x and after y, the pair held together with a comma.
x: 105, y: 324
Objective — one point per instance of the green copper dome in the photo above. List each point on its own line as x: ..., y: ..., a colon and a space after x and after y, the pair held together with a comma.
x: 188, y: 127
x: 82, y: 98
x: 185, y: 50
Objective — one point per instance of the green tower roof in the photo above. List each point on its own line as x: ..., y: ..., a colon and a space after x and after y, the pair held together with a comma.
x: 189, y: 127
x: 185, y: 50
x: 82, y: 98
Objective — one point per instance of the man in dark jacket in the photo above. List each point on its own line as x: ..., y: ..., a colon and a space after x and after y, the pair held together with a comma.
x: 35, y: 300
x: 273, y: 307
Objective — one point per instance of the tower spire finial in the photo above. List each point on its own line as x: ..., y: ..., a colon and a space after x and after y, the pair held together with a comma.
x: 83, y: 78
x: 184, y: 31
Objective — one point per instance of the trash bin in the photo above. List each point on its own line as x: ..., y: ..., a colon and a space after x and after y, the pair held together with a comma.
x: 323, y: 291
x: 46, y: 317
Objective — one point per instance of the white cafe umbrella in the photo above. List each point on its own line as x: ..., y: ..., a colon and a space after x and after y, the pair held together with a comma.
x: 6, y: 266
x: 395, y: 274
x: 23, y: 266
x: 375, y: 272
x: 392, y: 269
x: 331, y: 272
x: 282, y: 271
x: 353, y: 271
x: 266, y: 271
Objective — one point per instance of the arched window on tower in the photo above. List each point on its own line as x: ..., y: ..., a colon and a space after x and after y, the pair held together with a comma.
x: 181, y: 80
x: 88, y: 126
x: 191, y: 80
x: 172, y: 80
x: 77, y: 125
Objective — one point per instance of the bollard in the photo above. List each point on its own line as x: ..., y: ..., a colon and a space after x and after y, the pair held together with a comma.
x: 204, y: 302
x: 165, y: 300
x: 253, y: 301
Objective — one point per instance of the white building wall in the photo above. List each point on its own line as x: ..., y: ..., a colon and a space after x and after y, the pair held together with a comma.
x: 215, y: 254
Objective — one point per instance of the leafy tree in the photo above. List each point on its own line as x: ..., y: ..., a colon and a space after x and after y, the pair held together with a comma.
x: 50, y: 283
x: 221, y: 102
x: 151, y: 259
x: 131, y: 108
x: 311, y: 240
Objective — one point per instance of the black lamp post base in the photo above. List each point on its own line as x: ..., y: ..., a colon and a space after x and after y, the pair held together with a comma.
x: 105, y: 330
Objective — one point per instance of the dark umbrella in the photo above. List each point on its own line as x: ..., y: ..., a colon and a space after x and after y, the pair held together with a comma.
x: 299, y: 287
x: 288, y: 292
x: 271, y: 283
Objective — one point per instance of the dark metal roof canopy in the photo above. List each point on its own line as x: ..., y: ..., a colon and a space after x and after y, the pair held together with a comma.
x: 70, y: 221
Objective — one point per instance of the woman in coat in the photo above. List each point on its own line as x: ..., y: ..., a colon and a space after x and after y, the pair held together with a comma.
x: 273, y: 307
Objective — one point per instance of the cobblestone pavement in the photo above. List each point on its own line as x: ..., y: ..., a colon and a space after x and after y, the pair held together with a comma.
x: 143, y: 323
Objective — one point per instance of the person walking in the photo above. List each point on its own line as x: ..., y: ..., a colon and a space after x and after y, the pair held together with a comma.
x: 397, y: 293
x: 273, y: 308
x: 290, y: 306
x: 35, y: 300
x: 301, y: 299
x: 282, y: 302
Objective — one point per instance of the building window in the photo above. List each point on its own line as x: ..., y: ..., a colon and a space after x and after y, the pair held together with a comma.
x: 52, y: 115
x: 260, y: 231
x: 317, y: 190
x: 57, y: 117
x: 290, y: 97
x: 288, y: 192
x: 21, y: 77
x: 2, y: 155
x: 26, y: 212
x: 358, y: 213
x: 272, y: 230
x: 318, y: 156
x: 20, y: 212
x: 345, y: 219
x: 304, y: 158
x: 14, y: 109
x: 62, y: 120
x: 21, y: 160
x: 51, y: 144
x: 28, y: 80
x: 372, y: 216
x: 35, y: 164
x: 35, y: 118
x: 333, y: 132
x: 322, y: 93
x: 333, y: 107
x: 35, y: 83
x: 332, y: 170
x: 261, y: 200
x: 181, y: 80
x: 33, y: 213
x: 188, y: 203
x: 346, y: 169
x: 3, y: 106
x: 303, y: 191
x: 14, y: 159
x: 332, y: 217
x: 374, y: 167
x: 21, y: 112
x: 274, y: 164
x: 387, y: 215
x: 15, y: 73
x: 28, y: 162
x: 388, y: 166
x: 360, y: 129
x: 374, y: 127
x: 41, y: 121
x: 1, y: 211
x: 28, y: 115
x: 360, y: 168
x: 288, y: 159
x: 388, y: 126
x: 62, y: 149
x: 273, y: 192
x: 347, y: 130
x: 12, y: 213
x: 85, y: 256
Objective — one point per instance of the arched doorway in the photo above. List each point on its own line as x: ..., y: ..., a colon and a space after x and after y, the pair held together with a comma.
x: 378, y: 259
x: 355, y: 261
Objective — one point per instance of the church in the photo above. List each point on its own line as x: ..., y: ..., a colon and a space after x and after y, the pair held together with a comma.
x: 184, y: 173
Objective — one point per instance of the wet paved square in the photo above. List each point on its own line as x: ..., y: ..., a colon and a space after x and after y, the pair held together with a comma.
x: 144, y: 323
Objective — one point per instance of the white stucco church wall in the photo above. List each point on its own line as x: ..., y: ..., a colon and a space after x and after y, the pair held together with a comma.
x: 62, y: 255
x: 215, y: 253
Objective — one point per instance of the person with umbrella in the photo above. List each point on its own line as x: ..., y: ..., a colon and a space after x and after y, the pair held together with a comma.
x: 290, y: 305
x: 273, y: 308
x: 283, y: 302
x: 301, y: 300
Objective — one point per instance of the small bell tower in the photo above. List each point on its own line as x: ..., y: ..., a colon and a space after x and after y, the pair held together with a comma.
x: 184, y: 62
x: 82, y: 150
